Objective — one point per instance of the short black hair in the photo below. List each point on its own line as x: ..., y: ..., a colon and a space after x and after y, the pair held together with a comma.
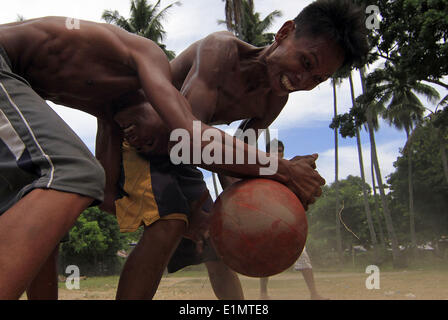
x: 340, y: 20
x: 275, y: 142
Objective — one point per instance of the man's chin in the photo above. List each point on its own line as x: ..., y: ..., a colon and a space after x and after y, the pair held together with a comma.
x: 279, y: 91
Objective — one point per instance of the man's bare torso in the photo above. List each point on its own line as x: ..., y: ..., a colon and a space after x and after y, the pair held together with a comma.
x: 223, y: 79
x: 83, y: 68
x: 242, y: 91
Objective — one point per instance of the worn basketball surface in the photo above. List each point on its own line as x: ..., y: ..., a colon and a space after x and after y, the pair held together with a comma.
x: 258, y: 227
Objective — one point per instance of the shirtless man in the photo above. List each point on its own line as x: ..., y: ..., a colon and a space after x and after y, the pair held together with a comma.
x: 84, y: 68
x: 225, y: 80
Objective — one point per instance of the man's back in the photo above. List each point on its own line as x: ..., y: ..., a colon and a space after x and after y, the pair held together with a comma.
x: 84, y: 68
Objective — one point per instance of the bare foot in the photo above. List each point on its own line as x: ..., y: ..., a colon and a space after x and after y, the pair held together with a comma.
x: 318, y: 297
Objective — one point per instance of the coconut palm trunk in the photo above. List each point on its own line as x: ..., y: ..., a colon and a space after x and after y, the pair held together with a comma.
x: 386, y: 211
x: 378, y: 215
x: 234, y: 14
x: 411, y: 192
x: 363, y: 177
x: 336, y: 178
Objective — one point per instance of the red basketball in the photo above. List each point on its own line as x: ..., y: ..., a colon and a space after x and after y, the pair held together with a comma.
x: 258, y: 227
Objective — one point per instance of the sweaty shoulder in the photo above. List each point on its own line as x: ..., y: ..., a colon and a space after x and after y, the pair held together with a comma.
x: 219, y: 49
x: 215, y: 52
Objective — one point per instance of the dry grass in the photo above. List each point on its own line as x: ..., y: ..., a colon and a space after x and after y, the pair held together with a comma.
x: 394, y: 285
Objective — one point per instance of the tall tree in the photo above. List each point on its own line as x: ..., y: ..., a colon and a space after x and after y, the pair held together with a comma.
x: 377, y: 211
x: 349, y: 125
x: 363, y: 177
x: 431, y: 189
x: 404, y: 111
x: 439, y: 120
x: 413, y: 34
x: 234, y: 16
x: 370, y: 125
x: 145, y: 20
x: 335, y: 81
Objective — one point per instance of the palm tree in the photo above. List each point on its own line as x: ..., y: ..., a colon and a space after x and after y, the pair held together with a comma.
x: 349, y: 125
x: 404, y: 111
x: 335, y: 81
x: 387, y: 216
x: 247, y: 24
x: 145, y: 20
x: 363, y: 177
x: 377, y: 206
x: 234, y: 15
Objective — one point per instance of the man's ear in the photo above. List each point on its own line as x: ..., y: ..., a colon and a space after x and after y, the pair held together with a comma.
x: 288, y: 27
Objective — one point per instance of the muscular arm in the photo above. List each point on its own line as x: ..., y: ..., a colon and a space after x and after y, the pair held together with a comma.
x: 108, y: 152
x: 154, y: 73
x: 174, y: 109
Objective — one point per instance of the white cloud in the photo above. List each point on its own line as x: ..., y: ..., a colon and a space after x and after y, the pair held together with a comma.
x: 349, y: 161
x: 305, y: 108
x: 83, y: 124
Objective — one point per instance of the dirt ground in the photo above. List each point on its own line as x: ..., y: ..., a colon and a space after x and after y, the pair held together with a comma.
x: 398, y: 285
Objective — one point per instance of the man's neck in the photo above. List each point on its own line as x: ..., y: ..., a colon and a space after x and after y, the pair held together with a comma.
x: 254, y: 70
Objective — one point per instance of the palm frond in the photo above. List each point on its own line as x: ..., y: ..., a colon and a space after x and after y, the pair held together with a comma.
x: 431, y: 94
x: 268, y: 21
x: 443, y: 102
x: 247, y: 24
x: 156, y: 22
x: 145, y: 20
x: 114, y: 17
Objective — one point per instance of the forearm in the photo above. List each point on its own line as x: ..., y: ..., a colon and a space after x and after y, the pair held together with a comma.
x: 108, y: 152
x: 214, y: 150
x: 176, y: 112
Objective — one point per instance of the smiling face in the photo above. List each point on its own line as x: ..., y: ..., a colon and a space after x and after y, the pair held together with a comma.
x: 301, y: 63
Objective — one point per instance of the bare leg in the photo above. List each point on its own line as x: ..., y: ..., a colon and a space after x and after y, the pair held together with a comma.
x: 45, y: 285
x: 225, y: 282
x: 144, y: 267
x: 264, y: 289
x: 309, y: 279
x: 30, y: 231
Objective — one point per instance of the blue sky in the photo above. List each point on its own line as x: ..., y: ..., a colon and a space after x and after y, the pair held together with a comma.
x: 303, y: 124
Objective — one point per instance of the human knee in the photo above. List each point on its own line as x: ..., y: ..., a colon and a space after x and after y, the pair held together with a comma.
x: 164, y: 230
